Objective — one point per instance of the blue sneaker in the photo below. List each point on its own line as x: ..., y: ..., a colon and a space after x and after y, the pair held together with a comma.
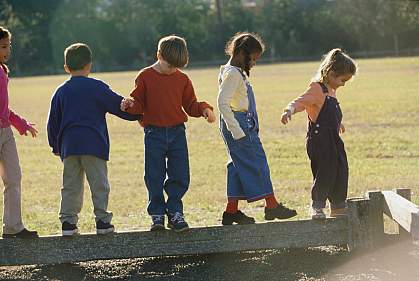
x: 157, y: 223
x: 177, y: 222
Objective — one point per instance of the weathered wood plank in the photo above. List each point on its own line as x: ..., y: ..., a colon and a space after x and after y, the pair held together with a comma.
x: 406, y: 194
x: 359, y: 230
x: 404, y: 212
x: 375, y: 217
x: 205, y: 240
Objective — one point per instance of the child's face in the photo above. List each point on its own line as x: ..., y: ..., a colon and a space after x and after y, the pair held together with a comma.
x: 5, y: 48
x: 253, y: 58
x: 338, y: 81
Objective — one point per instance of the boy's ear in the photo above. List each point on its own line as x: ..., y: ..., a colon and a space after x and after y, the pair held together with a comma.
x: 66, y: 69
x: 88, y: 66
x: 158, y: 55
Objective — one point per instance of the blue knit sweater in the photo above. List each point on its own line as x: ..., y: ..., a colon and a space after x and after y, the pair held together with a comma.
x: 77, y: 123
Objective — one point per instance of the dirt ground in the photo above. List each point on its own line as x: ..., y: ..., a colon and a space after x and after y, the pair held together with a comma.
x: 397, y: 261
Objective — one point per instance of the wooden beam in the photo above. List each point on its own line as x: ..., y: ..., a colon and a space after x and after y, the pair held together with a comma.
x: 406, y: 194
x: 401, y: 210
x: 375, y: 217
x: 359, y: 230
x: 205, y: 240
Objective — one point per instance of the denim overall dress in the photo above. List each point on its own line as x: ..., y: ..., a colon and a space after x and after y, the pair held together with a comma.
x: 326, y: 151
x: 248, y: 176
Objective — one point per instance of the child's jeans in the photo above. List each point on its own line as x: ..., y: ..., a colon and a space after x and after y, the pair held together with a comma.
x: 248, y: 175
x: 96, y: 171
x: 166, y: 168
x: 11, y: 175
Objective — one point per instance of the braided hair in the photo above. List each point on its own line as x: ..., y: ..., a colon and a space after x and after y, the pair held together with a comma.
x: 247, y: 42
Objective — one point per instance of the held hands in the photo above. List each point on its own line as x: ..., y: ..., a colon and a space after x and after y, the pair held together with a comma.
x: 285, y: 117
x: 341, y: 128
x: 32, y: 130
x: 209, y: 115
x: 126, y: 103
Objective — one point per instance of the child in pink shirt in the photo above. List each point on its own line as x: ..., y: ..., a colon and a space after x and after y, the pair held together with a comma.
x: 11, y: 174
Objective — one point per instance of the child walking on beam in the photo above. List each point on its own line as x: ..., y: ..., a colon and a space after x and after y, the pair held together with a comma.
x: 248, y: 175
x: 325, y: 147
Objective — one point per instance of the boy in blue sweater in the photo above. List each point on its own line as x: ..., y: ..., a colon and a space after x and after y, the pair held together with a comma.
x: 78, y: 133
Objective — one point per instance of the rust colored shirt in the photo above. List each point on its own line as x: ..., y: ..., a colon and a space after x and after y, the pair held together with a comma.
x: 311, y: 101
x: 165, y: 100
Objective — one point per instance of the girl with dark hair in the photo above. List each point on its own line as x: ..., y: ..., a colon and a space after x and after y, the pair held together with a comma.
x: 10, y: 171
x: 248, y: 176
x: 325, y: 147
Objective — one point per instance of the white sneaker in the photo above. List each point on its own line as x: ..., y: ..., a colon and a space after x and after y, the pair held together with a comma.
x: 317, y: 213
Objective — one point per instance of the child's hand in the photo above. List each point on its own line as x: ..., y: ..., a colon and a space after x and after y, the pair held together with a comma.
x: 126, y: 103
x: 32, y: 130
x: 286, y: 116
x: 341, y: 128
x: 209, y: 115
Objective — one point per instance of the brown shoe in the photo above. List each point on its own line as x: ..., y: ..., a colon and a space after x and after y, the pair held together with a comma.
x: 341, y: 212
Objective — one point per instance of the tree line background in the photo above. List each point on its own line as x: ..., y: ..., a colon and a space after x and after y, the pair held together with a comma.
x: 123, y: 34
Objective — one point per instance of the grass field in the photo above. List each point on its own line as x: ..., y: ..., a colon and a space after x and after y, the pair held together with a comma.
x: 381, y: 117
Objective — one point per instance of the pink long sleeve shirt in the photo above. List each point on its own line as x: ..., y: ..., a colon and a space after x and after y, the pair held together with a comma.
x: 7, y: 116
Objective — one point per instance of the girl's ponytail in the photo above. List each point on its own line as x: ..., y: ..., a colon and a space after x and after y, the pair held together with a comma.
x: 335, y: 61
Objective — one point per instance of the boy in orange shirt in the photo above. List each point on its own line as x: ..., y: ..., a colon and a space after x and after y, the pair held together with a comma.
x: 164, y: 95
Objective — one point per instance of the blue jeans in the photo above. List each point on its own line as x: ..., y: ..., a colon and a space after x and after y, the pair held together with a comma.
x: 248, y: 175
x: 166, y: 168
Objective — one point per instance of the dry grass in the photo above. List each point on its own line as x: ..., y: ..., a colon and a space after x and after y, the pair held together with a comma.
x: 380, y: 114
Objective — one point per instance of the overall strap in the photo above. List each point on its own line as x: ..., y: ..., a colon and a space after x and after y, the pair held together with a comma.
x: 251, y: 112
x: 324, y: 88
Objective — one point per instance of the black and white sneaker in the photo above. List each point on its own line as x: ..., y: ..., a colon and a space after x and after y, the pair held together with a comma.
x: 157, y: 223
x: 103, y: 228
x: 177, y: 222
x: 69, y: 229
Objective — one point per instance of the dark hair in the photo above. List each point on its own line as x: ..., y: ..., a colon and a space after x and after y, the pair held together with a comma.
x: 77, y: 56
x: 335, y: 61
x: 247, y: 42
x: 4, y: 33
x: 173, y: 49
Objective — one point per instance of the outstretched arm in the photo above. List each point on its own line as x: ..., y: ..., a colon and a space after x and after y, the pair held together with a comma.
x: 190, y: 104
x: 113, y: 106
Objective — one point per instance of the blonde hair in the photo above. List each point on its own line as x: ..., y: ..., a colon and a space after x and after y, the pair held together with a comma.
x: 335, y: 61
x: 173, y: 50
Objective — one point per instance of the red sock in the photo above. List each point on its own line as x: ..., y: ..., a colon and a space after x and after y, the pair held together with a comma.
x: 232, y: 206
x: 271, y: 202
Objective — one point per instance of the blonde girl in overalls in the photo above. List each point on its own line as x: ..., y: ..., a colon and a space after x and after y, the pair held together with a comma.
x: 325, y: 147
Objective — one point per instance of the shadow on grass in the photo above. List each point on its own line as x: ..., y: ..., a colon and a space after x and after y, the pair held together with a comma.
x: 256, y: 265
x: 395, y: 262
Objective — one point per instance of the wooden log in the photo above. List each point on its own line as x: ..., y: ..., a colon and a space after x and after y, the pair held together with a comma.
x: 375, y: 217
x: 406, y: 194
x: 401, y: 210
x: 359, y: 235
x: 205, y: 240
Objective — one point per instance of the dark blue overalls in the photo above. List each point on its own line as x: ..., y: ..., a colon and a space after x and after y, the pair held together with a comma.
x: 326, y: 151
x: 248, y: 175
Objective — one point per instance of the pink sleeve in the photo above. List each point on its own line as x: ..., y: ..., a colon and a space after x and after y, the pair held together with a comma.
x: 19, y: 123
x: 312, y: 97
x: 4, y: 100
